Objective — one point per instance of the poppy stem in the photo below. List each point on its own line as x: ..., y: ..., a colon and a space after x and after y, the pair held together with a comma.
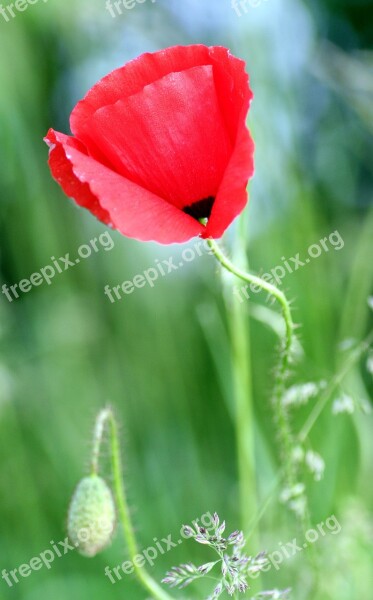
x: 107, y: 417
x: 285, y: 433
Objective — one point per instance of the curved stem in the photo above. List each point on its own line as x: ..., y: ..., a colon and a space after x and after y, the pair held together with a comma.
x: 104, y: 417
x: 286, y: 438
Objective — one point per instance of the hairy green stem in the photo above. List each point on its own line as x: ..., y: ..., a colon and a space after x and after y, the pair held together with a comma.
x: 106, y: 416
x: 98, y: 434
x: 285, y: 434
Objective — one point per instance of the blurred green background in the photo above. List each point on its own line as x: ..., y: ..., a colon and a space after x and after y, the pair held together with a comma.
x: 161, y: 356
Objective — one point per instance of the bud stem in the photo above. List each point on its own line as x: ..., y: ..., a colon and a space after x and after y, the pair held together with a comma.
x: 102, y: 417
x: 106, y: 416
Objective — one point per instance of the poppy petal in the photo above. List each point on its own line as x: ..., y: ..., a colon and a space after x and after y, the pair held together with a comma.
x: 132, y: 210
x: 136, y: 125
x: 133, y: 77
x: 232, y: 86
x: 169, y: 138
x: 232, y: 196
x: 62, y: 172
x: 229, y: 73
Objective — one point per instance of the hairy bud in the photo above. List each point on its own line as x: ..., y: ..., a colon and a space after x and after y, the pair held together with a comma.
x: 91, y: 517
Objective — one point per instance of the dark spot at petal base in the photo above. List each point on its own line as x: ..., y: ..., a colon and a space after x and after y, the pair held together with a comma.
x: 200, y: 209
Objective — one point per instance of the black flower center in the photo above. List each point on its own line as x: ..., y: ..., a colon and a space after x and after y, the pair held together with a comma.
x: 200, y: 209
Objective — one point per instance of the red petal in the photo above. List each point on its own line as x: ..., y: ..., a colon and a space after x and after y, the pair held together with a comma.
x: 233, y: 94
x: 232, y: 196
x: 132, y: 210
x: 133, y: 77
x: 232, y: 86
x: 169, y: 138
x: 62, y: 172
x: 231, y: 82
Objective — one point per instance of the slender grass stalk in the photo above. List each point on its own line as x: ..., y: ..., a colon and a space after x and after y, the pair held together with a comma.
x: 241, y: 365
x: 244, y: 419
x: 106, y: 416
x: 285, y: 434
x: 333, y: 385
x: 244, y: 413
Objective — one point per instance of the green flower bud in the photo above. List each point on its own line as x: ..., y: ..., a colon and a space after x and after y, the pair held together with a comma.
x: 91, y: 518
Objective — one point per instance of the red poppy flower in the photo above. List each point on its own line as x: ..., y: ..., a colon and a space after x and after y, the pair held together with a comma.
x: 160, y: 144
